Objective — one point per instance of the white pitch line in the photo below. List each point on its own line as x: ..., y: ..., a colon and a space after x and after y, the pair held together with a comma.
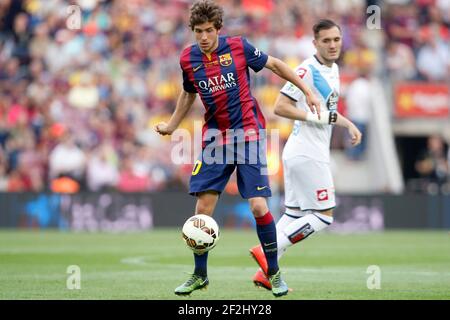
x: 150, y: 260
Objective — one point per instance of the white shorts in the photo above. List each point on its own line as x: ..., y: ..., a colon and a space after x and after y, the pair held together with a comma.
x: 308, y: 184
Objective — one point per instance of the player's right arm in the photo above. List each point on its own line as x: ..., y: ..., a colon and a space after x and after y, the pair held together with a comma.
x: 184, y: 104
x: 282, y: 69
x: 185, y: 100
x: 285, y: 107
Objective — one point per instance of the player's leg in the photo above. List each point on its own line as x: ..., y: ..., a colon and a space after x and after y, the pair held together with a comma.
x: 313, y: 186
x: 260, y: 278
x: 300, y: 229
x: 304, y: 187
x: 267, y: 232
x: 290, y: 233
x: 290, y: 215
x: 207, y: 182
x: 253, y: 184
x: 292, y: 212
x: 206, y: 203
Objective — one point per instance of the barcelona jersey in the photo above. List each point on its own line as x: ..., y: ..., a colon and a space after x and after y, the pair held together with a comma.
x: 223, y: 82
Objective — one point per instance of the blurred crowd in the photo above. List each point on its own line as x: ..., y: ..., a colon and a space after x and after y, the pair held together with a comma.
x: 77, y: 107
x: 433, y: 168
x: 417, y: 45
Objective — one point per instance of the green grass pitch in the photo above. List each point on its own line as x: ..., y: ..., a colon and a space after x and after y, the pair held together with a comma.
x: 33, y: 265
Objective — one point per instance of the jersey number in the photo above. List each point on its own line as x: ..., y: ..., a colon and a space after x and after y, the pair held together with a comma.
x: 197, y: 166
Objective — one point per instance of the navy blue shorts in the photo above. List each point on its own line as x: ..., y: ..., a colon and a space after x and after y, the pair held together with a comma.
x: 215, y: 165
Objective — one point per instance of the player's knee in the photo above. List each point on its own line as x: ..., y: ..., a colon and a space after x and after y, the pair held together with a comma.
x: 258, y: 208
x: 204, y: 208
x: 325, y: 216
x: 328, y: 213
x: 206, y: 203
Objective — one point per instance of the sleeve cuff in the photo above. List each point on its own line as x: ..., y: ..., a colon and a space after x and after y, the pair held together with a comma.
x: 285, y: 94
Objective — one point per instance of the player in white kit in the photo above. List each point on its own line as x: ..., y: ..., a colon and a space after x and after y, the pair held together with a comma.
x: 309, y: 188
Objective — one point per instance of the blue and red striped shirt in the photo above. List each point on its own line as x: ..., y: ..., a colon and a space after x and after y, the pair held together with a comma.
x: 223, y: 83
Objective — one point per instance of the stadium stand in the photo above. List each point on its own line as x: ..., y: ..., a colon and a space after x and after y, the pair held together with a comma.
x: 82, y: 103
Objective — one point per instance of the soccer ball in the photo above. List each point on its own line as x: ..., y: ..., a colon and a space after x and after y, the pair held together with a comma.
x: 200, y: 233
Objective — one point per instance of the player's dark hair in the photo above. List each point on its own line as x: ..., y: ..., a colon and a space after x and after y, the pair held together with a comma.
x: 206, y: 11
x: 324, y: 24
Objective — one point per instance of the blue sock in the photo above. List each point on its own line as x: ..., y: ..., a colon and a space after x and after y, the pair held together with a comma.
x: 201, y: 261
x: 267, y: 234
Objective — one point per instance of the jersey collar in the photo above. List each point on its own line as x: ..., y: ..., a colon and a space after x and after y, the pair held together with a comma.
x: 318, y: 60
x: 323, y: 65
x: 219, y: 45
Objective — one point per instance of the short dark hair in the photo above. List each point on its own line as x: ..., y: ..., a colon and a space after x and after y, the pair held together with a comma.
x: 324, y: 24
x: 206, y: 11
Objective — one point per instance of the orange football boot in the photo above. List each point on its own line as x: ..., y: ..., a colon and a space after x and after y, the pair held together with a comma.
x: 260, y: 258
x: 261, y: 280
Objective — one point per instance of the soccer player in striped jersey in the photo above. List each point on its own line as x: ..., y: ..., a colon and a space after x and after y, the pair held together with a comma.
x: 217, y: 69
x: 308, y: 184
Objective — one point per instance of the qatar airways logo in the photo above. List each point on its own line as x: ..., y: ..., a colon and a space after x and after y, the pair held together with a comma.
x: 218, y: 83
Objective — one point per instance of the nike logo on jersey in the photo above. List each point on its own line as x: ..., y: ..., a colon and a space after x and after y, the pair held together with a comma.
x: 261, y: 188
x: 195, y: 69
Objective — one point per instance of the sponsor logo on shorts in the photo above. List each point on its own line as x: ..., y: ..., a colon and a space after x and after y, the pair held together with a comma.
x: 322, y: 195
x: 261, y: 188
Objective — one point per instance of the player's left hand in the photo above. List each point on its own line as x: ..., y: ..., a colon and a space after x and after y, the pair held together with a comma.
x: 355, y: 135
x: 313, y: 104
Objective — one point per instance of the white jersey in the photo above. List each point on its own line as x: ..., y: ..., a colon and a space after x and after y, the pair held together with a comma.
x: 310, y: 139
